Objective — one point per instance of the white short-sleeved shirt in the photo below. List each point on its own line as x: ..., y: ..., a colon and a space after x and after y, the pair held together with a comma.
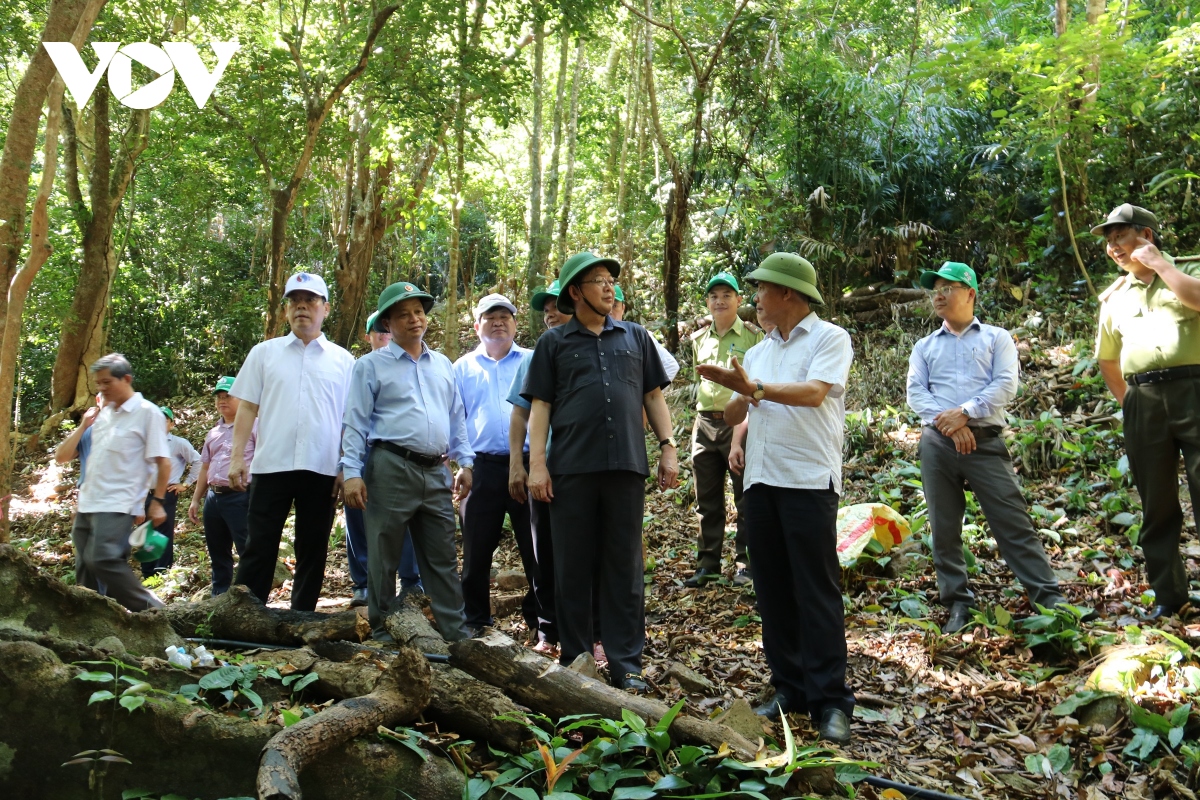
x: 125, y: 439
x: 797, y: 447
x: 301, y: 393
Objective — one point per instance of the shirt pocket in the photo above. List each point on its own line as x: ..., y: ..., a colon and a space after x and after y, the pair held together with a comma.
x: 577, y: 371
x: 1176, y: 310
x: 979, y: 363
x: 628, y: 366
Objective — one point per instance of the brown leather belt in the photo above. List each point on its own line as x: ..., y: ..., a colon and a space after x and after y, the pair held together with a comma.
x: 713, y: 414
x: 1164, y: 375
x: 224, y: 489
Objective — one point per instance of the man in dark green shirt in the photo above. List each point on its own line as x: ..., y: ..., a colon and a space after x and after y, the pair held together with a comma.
x: 1148, y: 348
x: 590, y: 379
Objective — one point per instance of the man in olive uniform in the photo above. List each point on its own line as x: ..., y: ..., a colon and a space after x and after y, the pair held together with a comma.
x: 590, y: 379
x: 1148, y: 346
x: 727, y: 337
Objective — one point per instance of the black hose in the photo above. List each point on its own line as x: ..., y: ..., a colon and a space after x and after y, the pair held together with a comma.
x: 910, y: 791
x: 236, y: 645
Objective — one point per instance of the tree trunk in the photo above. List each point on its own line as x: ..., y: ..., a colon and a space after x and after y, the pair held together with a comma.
x: 633, y: 103
x: 240, y: 616
x: 82, y: 333
x: 65, y: 20
x: 358, y: 234
x: 572, y: 135
x: 545, y: 239
x: 533, y: 277
x: 611, y: 177
x: 556, y: 691
x: 450, y: 340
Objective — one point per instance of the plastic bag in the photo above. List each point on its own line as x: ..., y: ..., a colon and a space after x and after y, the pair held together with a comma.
x: 860, y: 525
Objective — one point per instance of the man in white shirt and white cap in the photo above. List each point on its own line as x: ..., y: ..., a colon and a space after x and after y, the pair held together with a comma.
x: 296, y: 387
x: 484, y: 377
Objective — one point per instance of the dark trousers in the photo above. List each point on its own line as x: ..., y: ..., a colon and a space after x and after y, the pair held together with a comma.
x: 407, y: 499
x: 543, y: 550
x: 596, y: 521
x: 167, y: 529
x: 356, y: 553
x: 990, y: 473
x: 271, y: 498
x: 711, y: 440
x: 101, y: 542
x: 798, y: 582
x: 225, y: 529
x: 483, y: 514
x: 1162, y: 420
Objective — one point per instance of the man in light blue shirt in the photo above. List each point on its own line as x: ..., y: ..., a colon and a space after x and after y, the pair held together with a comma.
x: 960, y: 377
x: 484, y: 377
x: 404, y: 403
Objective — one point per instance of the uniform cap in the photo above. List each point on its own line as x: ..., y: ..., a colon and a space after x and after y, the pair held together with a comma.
x: 224, y: 384
x: 1126, y: 214
x: 492, y: 301
x: 307, y: 282
x: 951, y: 271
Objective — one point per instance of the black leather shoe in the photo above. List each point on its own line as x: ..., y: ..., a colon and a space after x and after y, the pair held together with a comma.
x: 358, y: 598
x: 1162, y: 611
x: 770, y: 708
x: 835, y: 726
x: 960, y: 615
x: 743, y: 577
x: 701, y: 577
x: 633, y: 682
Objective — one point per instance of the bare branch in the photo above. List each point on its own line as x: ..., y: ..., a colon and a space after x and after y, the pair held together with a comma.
x: 673, y: 30
x: 258, y: 150
x: 716, y: 53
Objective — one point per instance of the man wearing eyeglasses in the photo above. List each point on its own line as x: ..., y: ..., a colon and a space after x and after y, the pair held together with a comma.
x: 296, y: 386
x: 590, y: 379
x: 960, y: 377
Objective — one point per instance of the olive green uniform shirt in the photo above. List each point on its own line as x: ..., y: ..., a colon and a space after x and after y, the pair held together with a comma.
x: 1146, y: 327
x: 708, y: 348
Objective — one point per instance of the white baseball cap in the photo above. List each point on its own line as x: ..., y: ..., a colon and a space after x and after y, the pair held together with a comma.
x: 307, y: 282
x: 486, y: 304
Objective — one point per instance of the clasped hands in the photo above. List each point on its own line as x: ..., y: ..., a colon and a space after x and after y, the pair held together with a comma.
x: 953, y: 423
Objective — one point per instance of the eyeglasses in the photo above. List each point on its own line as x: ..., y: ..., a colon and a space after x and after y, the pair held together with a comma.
x: 601, y: 282
x: 944, y: 291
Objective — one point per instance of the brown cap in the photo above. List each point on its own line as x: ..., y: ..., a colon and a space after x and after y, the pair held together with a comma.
x: 1126, y: 214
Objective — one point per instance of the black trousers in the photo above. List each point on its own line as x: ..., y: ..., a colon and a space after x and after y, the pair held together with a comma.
x: 798, y: 582
x: 543, y: 550
x: 483, y: 526
x: 271, y: 498
x: 224, y: 531
x: 167, y: 529
x: 596, y: 522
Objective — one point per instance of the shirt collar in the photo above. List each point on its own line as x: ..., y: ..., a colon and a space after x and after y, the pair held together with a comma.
x: 737, y: 328
x: 321, y: 340
x: 397, y: 352
x: 575, y: 326
x: 480, y: 351
x: 131, y: 403
x: 946, y: 327
x: 805, y: 325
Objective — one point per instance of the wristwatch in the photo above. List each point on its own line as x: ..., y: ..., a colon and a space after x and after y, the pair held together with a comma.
x: 761, y: 392
x: 964, y: 411
x: 670, y: 440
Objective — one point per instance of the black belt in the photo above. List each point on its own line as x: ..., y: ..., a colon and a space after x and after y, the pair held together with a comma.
x: 420, y: 459
x: 1164, y: 375
x: 224, y: 489
x: 713, y: 414
x: 496, y: 458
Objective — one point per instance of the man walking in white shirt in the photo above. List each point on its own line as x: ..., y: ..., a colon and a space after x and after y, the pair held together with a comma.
x: 793, y: 387
x: 127, y: 435
x: 296, y: 387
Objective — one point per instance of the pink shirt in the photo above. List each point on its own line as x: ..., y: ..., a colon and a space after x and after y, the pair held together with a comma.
x: 218, y: 450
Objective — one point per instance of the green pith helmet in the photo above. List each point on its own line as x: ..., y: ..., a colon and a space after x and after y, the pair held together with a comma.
x: 401, y: 291
x: 542, y: 295
x: 224, y: 384
x: 619, y: 292
x: 790, y: 270
x: 371, y: 322
x: 951, y: 271
x: 723, y: 278
x: 573, y: 270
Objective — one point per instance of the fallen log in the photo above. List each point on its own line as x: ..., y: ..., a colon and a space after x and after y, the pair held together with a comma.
x: 410, y: 627
x: 470, y: 708
x: 238, y: 614
x: 399, y: 696
x: 548, y: 688
x: 175, y: 747
x: 41, y: 604
x: 877, y: 300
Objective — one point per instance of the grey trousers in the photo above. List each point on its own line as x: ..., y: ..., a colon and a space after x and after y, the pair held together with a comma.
x: 403, y: 495
x: 102, y: 557
x: 990, y: 473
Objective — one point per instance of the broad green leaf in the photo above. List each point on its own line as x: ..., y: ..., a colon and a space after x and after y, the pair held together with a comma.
x: 523, y: 792
x: 668, y: 782
x: 95, y: 677
x: 221, y: 678
x: 633, y: 793
x: 100, y: 696
x: 132, y: 703
x: 477, y: 788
